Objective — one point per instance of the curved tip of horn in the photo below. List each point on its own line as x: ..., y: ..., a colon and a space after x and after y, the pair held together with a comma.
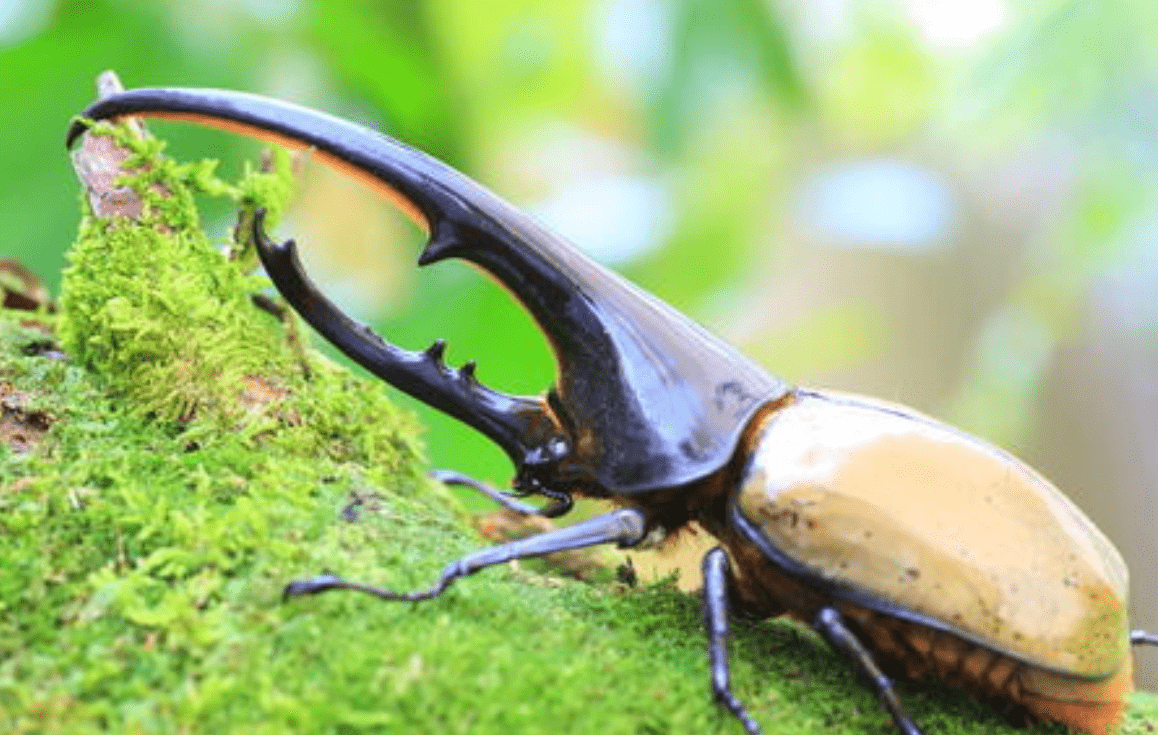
x: 78, y: 127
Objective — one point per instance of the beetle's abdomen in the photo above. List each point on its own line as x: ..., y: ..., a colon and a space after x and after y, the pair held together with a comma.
x: 891, y: 510
x: 1024, y: 693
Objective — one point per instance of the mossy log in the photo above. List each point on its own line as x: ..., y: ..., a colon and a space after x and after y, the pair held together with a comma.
x: 182, y: 457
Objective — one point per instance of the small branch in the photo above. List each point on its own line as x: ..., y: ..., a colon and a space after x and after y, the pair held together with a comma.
x: 98, y: 163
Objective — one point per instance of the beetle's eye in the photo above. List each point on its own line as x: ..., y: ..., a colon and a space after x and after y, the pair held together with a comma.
x: 557, y: 448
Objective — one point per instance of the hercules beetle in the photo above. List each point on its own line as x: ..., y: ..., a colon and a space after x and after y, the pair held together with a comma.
x: 912, y: 547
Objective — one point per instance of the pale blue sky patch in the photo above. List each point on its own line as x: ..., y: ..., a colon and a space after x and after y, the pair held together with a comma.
x: 613, y: 218
x: 633, y: 42
x: 880, y: 204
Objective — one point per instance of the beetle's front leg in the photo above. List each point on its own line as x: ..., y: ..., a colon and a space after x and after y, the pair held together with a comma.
x: 716, y: 612
x: 626, y: 527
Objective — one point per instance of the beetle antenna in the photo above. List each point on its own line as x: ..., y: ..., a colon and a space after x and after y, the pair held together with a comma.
x: 562, y: 501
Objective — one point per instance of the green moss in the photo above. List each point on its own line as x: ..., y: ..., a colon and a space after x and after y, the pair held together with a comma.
x: 143, y: 557
x: 154, y: 307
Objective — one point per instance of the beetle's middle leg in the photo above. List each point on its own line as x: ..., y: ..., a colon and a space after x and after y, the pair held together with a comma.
x: 716, y: 612
x: 625, y: 526
x: 831, y: 625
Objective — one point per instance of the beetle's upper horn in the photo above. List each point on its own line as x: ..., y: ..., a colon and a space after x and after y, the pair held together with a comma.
x: 645, y: 398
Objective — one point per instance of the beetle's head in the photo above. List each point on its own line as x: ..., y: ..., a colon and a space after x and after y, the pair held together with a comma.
x: 645, y: 399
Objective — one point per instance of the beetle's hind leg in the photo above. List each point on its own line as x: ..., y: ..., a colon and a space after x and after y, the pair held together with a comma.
x: 626, y: 527
x: 716, y: 613
x: 560, y: 504
x: 1143, y: 638
x: 831, y: 625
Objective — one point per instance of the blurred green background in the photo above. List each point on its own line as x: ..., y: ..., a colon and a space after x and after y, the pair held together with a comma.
x: 948, y: 203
